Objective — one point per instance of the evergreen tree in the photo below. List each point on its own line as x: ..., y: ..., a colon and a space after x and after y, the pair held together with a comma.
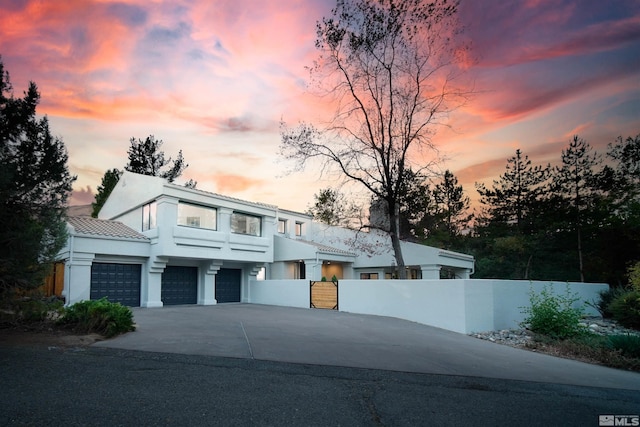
x: 511, y: 221
x: 109, y: 181
x: 416, y: 219
x: 452, y: 209
x: 34, y: 186
x: 624, y: 177
x: 516, y: 194
x: 146, y: 158
x: 575, y: 185
x: 618, y: 235
x: 331, y: 207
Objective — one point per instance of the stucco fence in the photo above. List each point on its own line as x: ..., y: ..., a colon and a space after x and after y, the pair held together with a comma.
x: 464, y: 306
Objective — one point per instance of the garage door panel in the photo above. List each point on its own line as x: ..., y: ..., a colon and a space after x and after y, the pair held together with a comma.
x: 179, y: 285
x: 228, y: 282
x: 117, y: 282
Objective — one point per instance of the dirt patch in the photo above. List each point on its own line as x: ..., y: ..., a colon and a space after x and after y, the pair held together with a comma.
x: 43, y: 336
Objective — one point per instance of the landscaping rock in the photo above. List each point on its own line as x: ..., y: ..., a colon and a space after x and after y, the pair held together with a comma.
x: 520, y: 337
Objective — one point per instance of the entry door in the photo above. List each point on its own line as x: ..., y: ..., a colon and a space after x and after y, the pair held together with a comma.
x: 228, y: 282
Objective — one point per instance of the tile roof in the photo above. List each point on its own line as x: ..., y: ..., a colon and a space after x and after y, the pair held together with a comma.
x: 103, y: 227
x: 326, y: 249
x: 79, y: 210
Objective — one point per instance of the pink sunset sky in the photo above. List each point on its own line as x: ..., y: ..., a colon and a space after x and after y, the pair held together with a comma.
x: 215, y: 77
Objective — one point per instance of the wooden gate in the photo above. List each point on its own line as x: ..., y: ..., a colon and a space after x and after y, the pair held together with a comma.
x: 54, y: 282
x: 324, y: 295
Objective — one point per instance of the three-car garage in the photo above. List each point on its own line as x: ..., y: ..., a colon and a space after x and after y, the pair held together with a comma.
x: 179, y: 284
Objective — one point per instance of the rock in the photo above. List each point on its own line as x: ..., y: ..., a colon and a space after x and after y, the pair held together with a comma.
x: 520, y: 337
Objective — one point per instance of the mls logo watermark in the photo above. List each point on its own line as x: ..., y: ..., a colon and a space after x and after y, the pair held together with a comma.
x: 619, y: 420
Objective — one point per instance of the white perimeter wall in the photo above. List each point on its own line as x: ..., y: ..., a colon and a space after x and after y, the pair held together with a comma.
x: 289, y: 293
x: 463, y: 306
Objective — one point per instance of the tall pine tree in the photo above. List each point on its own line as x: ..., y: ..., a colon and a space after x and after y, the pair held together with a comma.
x: 574, y: 182
x: 34, y: 186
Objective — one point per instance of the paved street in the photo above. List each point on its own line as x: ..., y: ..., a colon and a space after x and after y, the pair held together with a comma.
x: 110, y: 387
x: 262, y: 365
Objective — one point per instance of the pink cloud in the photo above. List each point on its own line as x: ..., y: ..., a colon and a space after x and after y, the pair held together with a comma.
x: 83, y: 196
x: 218, y: 76
x: 232, y: 183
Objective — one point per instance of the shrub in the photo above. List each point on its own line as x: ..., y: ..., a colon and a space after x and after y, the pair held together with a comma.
x: 626, y: 309
x: 634, y: 276
x: 28, y: 307
x: 605, y: 300
x: 629, y: 345
x: 553, y: 315
x: 99, y: 316
x: 32, y: 310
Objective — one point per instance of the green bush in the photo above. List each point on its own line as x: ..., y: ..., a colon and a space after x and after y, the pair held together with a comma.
x: 553, y: 315
x: 31, y: 310
x: 99, y: 316
x: 605, y: 300
x: 629, y: 345
x: 17, y: 308
x: 634, y: 276
x: 626, y: 309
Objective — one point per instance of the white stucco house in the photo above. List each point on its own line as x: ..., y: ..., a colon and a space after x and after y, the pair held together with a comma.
x: 156, y: 243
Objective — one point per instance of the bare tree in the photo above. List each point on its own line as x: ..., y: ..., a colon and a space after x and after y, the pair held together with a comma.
x: 388, y: 67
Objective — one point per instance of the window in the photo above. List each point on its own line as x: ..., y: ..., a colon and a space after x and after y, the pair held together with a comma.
x: 298, y: 229
x: 196, y: 216
x: 368, y: 276
x: 282, y: 226
x: 149, y: 216
x: 246, y: 224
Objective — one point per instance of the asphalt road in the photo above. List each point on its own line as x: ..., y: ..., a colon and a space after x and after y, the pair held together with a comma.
x: 53, y: 386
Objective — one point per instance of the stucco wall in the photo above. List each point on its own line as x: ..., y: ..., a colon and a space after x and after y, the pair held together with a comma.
x: 463, y: 306
x: 289, y: 293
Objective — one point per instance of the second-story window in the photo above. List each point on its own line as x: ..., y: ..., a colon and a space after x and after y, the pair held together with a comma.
x: 196, y: 216
x: 149, y: 216
x: 246, y: 224
x: 282, y: 226
x: 298, y: 229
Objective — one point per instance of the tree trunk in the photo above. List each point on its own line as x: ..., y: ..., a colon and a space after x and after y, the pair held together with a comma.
x: 580, y: 254
x: 394, y: 223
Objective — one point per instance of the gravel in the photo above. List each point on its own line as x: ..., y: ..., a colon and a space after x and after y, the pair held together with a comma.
x: 521, y: 337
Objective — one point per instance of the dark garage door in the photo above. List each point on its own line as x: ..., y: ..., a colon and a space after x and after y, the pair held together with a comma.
x: 118, y: 282
x: 228, y: 285
x: 179, y: 285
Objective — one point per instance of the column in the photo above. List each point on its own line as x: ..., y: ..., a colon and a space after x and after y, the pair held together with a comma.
x: 151, y: 295
x: 207, y: 294
x: 464, y: 273
x: 430, y: 272
x: 77, y: 281
x: 313, y: 269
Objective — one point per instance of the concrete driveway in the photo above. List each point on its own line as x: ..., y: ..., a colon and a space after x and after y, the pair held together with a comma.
x: 325, y: 337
